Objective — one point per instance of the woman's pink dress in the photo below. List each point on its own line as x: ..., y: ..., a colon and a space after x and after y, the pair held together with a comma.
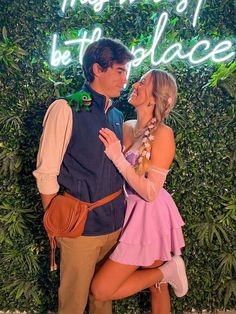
x: 153, y: 231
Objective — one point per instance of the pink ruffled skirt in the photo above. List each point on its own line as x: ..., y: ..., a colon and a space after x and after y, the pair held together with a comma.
x: 153, y: 231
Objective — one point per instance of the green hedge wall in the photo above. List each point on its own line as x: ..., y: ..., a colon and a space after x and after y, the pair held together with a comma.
x: 203, y: 175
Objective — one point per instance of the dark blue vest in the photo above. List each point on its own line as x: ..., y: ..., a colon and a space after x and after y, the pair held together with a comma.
x: 87, y: 173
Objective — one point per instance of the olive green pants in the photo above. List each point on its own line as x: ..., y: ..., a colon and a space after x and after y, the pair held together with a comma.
x: 80, y: 257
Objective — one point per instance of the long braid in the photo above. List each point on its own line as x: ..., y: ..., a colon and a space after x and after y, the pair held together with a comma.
x: 146, y: 147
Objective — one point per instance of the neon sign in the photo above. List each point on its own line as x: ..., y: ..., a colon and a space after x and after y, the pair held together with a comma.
x: 201, y: 52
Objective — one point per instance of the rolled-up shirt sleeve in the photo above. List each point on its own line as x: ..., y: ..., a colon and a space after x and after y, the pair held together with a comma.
x: 57, y: 129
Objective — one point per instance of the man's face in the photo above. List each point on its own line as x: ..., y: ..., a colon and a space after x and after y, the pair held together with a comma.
x: 112, y: 80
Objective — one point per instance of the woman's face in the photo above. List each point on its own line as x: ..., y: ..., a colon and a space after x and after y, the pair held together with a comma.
x: 142, y: 92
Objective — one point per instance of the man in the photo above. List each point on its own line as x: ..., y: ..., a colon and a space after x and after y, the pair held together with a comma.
x: 72, y: 156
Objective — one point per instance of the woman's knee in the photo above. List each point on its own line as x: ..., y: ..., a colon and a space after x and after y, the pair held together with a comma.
x: 100, y: 291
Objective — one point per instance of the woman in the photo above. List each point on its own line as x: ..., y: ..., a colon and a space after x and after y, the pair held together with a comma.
x: 152, y: 229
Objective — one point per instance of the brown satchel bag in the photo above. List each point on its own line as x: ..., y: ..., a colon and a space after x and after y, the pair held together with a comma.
x: 66, y: 217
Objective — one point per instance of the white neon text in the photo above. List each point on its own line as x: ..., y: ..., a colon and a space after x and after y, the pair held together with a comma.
x: 196, y: 54
x: 96, y: 4
x: 181, y: 7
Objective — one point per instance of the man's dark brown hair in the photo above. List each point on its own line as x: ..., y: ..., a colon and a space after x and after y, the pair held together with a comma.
x: 105, y: 52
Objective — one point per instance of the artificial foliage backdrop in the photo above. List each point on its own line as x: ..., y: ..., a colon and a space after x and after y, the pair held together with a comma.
x: 203, y: 173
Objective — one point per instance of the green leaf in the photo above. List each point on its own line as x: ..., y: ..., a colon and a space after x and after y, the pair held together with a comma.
x: 4, y: 33
x: 22, y: 51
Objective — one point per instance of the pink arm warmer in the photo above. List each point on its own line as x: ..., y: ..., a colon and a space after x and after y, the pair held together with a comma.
x: 147, y: 187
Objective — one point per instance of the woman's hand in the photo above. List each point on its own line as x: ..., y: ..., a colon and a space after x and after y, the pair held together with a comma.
x: 107, y: 137
x: 111, y: 143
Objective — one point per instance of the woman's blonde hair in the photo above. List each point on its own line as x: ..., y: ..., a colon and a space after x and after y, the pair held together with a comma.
x: 164, y: 91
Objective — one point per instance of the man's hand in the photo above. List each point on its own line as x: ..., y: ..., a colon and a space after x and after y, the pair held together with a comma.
x: 46, y: 199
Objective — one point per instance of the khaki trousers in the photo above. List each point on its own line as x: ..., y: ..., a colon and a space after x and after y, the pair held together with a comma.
x: 79, y: 259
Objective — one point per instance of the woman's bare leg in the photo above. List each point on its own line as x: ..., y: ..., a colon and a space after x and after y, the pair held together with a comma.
x: 160, y: 297
x: 116, y: 281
